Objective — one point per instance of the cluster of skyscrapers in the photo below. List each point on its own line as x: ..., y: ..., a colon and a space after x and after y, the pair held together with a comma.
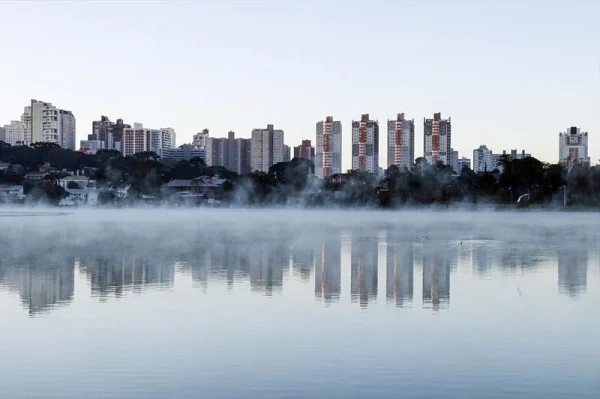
x: 41, y: 122
x: 44, y: 122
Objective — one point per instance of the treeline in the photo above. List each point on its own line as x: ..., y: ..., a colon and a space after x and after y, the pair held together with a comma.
x: 291, y: 182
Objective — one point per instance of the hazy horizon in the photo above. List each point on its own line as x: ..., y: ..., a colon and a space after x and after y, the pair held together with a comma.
x: 509, y: 75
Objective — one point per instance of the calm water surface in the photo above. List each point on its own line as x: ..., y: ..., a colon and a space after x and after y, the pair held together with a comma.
x: 147, y: 304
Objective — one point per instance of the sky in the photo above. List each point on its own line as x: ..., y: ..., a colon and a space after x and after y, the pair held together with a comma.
x: 508, y: 74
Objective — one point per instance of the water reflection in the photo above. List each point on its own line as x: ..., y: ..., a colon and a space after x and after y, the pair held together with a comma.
x: 121, y: 262
x: 40, y: 286
x: 399, y: 272
x: 363, y: 268
x: 328, y: 269
x: 572, y: 272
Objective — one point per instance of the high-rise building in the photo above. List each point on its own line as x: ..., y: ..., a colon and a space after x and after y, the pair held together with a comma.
x: 200, y: 138
x: 109, y: 132
x: 43, y: 122
x: 454, y: 161
x: 267, y: 148
x: 484, y: 160
x: 3, y: 134
x: 216, y: 151
x: 401, y: 142
x: 462, y: 163
x: 287, y: 153
x: 230, y: 164
x: 573, y: 146
x: 242, y: 156
x: 305, y: 151
x: 437, y: 139
x: 365, y: 145
x: 162, y: 138
x: 136, y: 140
x: 229, y: 152
x: 14, y: 134
x: 518, y: 155
x: 328, y: 157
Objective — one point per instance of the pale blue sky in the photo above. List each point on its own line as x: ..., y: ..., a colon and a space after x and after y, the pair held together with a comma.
x: 509, y: 74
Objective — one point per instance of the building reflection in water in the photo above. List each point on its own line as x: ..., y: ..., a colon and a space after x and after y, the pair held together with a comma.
x: 363, y: 268
x: 303, y: 261
x: 115, y: 275
x: 123, y: 262
x: 41, y: 286
x: 328, y: 269
x: 399, y: 272
x: 482, y: 259
x: 436, y: 276
x: 267, y: 261
x: 572, y: 272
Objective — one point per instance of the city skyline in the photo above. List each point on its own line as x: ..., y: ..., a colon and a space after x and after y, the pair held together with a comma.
x: 493, y: 83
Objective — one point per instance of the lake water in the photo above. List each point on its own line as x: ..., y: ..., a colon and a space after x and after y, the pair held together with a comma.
x: 154, y: 303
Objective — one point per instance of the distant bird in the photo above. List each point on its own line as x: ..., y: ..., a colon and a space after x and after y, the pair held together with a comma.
x: 461, y: 243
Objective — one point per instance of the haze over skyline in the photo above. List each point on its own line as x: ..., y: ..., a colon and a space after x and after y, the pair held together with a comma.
x: 510, y: 75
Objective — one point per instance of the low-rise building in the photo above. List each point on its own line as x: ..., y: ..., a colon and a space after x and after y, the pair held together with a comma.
x: 91, y: 146
x: 184, y: 152
x: 11, y: 193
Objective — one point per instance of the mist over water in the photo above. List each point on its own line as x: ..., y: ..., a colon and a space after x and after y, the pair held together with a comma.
x: 281, y: 303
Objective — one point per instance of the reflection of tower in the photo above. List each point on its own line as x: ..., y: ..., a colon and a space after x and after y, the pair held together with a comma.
x: 266, y: 267
x: 572, y: 272
x: 328, y: 269
x: 482, y: 261
x: 41, y: 286
x: 119, y: 274
x: 436, y: 278
x: 399, y: 276
x: 303, y: 260
x: 363, y: 259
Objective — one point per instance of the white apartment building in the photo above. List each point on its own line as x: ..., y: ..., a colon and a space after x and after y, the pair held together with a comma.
x: 163, y: 138
x: 401, y: 142
x: 328, y: 157
x: 484, y: 160
x: 185, y: 152
x: 43, y: 122
x: 14, y: 134
x: 365, y: 145
x: 437, y: 141
x: 462, y: 162
x: 573, y: 146
x: 140, y: 139
x: 266, y: 148
x: 199, y: 139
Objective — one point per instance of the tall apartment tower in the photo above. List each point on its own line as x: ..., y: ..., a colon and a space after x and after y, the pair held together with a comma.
x: 573, y: 146
x: 200, y: 138
x: 401, y: 142
x: 483, y: 159
x: 14, y: 134
x: 365, y: 145
x: 43, y: 122
x: 328, y: 157
x: 267, y: 148
x: 242, y: 156
x: 216, y: 151
x: 305, y: 151
x: 437, y: 139
x: 111, y: 133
